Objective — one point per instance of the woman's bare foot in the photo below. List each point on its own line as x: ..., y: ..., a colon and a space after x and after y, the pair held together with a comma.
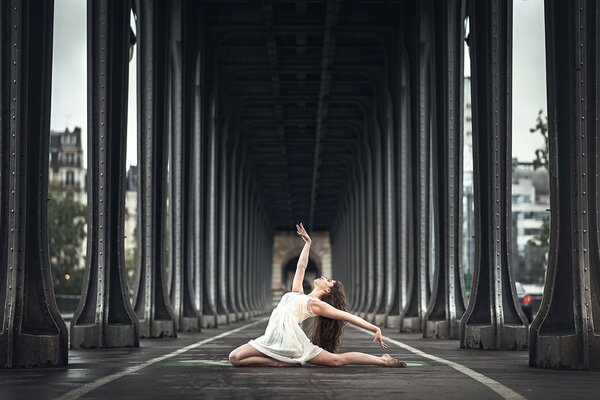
x: 393, y: 362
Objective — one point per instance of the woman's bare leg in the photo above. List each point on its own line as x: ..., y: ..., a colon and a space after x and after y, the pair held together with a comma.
x: 248, y: 356
x: 338, y: 360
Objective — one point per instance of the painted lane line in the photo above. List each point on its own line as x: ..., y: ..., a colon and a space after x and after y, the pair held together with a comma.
x: 506, y: 392
x: 80, y: 391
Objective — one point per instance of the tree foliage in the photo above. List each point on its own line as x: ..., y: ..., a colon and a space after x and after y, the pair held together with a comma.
x: 541, y: 154
x: 66, y: 232
x: 541, y: 161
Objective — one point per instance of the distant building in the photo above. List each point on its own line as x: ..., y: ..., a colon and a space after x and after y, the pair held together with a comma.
x: 530, y: 202
x: 66, y: 173
x: 131, y: 215
x: 468, y: 244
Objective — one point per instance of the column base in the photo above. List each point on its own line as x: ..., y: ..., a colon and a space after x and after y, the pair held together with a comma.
x: 157, y: 329
x: 208, y: 321
x: 37, y: 351
x: 222, y: 319
x: 189, y: 324
x: 445, y: 329
x: 411, y: 325
x: 87, y: 337
x: 393, y: 321
x: 232, y: 317
x: 492, y: 337
x: 379, y: 319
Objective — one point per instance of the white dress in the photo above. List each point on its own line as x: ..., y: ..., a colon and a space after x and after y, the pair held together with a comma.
x: 284, y: 339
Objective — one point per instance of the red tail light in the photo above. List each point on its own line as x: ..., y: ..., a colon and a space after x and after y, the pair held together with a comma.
x: 527, y: 300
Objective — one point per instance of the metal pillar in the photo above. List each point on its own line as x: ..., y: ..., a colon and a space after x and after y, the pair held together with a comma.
x: 377, y: 312
x: 152, y: 305
x: 240, y: 230
x: 223, y: 250
x: 182, y: 114
x: 418, y: 285
x: 104, y: 317
x: 209, y: 318
x: 233, y: 227
x: 198, y: 184
x: 493, y: 319
x: 33, y: 333
x: 566, y: 331
x: 403, y: 182
x: 369, y: 221
x: 392, y: 302
x: 446, y: 305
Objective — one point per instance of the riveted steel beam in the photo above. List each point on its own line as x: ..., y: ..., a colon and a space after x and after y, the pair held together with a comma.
x: 446, y: 305
x: 222, y: 227
x: 33, y: 333
x: 565, y: 334
x: 493, y: 319
x: 151, y: 302
x: 419, y: 40
x: 104, y: 317
x: 233, y: 227
x: 211, y: 312
x: 183, y: 65
x: 333, y: 8
x: 391, y: 312
x: 377, y: 312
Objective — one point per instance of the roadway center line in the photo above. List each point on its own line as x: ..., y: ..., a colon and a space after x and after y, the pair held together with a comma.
x: 505, y: 392
x: 80, y: 391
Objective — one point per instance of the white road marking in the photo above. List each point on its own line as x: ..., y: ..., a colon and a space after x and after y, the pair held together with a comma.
x: 505, y: 392
x: 80, y: 391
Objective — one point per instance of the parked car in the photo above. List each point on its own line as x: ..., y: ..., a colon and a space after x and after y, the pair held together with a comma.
x: 530, y: 298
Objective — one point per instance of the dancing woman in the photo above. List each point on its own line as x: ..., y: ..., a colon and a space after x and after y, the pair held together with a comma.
x: 284, y: 343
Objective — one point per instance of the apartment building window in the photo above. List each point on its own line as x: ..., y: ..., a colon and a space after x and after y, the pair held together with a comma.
x: 70, y: 178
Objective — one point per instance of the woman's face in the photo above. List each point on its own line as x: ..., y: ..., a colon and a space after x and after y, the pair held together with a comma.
x: 323, y: 283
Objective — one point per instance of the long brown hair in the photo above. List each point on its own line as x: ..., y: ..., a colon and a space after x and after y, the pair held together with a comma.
x: 327, y: 333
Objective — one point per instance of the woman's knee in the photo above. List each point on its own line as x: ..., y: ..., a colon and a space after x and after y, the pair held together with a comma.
x: 234, y: 357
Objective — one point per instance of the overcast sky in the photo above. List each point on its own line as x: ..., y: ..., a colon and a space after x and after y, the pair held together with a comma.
x: 69, y: 75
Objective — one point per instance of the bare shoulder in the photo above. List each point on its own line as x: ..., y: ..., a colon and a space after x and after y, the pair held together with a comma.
x: 319, y: 307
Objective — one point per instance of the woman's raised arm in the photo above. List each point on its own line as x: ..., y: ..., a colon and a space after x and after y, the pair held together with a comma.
x: 302, y: 260
x: 326, y: 310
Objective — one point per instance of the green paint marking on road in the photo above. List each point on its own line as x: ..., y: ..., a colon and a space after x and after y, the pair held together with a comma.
x: 417, y: 364
x: 199, y: 363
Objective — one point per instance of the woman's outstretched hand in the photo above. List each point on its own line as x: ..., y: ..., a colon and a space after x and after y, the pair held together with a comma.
x: 379, y: 339
x: 302, y: 233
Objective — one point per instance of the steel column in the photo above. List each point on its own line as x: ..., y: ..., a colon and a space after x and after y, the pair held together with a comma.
x: 183, y: 93
x: 210, y: 317
x: 566, y: 331
x: 392, y: 309
x: 152, y: 305
x: 446, y: 305
x: 377, y: 312
x: 33, y: 333
x: 233, y: 227
x: 419, y: 47
x: 493, y: 319
x: 104, y: 317
x: 222, y: 259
